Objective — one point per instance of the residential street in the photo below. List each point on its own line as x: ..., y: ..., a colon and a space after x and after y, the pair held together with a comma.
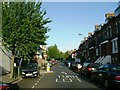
x: 61, y: 77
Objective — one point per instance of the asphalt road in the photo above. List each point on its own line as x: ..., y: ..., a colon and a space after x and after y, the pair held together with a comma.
x: 61, y: 77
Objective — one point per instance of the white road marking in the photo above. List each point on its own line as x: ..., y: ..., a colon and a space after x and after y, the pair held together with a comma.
x: 64, y: 72
x: 38, y: 81
x: 63, y: 80
x: 59, y: 76
x: 70, y: 76
x: 70, y: 80
x: 76, y: 76
x: 73, y: 76
x: 63, y: 76
x: 67, y: 76
x: 33, y: 87
x: 35, y: 83
x: 79, y: 80
x: 56, y: 80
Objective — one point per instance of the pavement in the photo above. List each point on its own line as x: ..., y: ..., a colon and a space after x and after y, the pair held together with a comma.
x: 6, y: 78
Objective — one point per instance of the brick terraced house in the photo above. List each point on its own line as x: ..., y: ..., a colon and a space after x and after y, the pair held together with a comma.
x: 103, y: 45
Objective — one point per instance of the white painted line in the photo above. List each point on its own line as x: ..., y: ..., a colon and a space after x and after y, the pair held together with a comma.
x: 35, y: 84
x: 33, y: 87
x: 76, y: 76
x: 73, y: 76
x: 67, y: 76
x: 38, y: 81
x: 56, y: 80
x: 79, y: 80
x: 65, y: 73
x: 41, y: 77
x: 63, y: 80
x: 59, y: 76
x: 70, y: 80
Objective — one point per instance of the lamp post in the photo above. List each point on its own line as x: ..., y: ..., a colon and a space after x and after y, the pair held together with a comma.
x: 80, y: 34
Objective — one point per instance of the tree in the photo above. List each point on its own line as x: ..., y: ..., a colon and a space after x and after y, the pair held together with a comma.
x: 23, y: 28
x: 66, y: 55
x: 53, y: 52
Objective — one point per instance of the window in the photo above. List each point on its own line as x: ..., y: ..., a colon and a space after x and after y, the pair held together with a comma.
x: 107, y: 34
x: 117, y: 27
x: 110, y: 33
x: 115, y: 45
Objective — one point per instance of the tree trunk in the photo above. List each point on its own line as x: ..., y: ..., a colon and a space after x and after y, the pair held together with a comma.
x: 12, y: 65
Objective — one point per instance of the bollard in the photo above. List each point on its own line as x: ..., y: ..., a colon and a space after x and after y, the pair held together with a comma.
x: 48, y: 67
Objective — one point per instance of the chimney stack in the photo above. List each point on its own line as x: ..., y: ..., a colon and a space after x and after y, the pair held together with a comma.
x: 89, y: 34
x: 109, y: 15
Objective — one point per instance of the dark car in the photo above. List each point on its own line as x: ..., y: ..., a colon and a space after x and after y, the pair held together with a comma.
x: 30, y: 70
x: 108, y: 74
x: 84, y: 67
x: 88, y: 68
x: 76, y: 66
x: 4, y: 86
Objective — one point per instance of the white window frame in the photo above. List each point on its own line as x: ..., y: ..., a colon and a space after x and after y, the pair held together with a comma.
x: 115, y: 45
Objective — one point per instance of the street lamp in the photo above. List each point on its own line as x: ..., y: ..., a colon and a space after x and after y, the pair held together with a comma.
x: 79, y: 34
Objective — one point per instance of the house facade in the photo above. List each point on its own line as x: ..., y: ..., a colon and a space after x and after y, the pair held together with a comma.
x: 103, y: 45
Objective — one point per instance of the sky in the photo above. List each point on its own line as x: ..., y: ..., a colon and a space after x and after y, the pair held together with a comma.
x: 72, y: 18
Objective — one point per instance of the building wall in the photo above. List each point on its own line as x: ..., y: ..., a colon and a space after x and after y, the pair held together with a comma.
x: 5, y: 60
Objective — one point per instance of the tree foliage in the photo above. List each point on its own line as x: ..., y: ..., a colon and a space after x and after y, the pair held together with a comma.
x: 23, y: 27
x: 54, y: 52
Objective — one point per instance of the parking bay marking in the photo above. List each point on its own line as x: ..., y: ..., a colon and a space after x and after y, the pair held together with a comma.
x: 67, y: 78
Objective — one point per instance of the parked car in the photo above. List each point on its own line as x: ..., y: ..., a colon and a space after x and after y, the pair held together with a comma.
x: 4, y: 86
x: 76, y: 66
x: 84, y: 67
x: 30, y: 70
x: 108, y: 74
x: 88, y: 68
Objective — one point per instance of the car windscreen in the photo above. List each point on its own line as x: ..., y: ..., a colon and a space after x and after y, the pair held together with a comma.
x: 31, y: 65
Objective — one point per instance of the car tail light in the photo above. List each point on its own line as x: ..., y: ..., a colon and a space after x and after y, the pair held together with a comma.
x: 117, y: 77
x: 89, y: 69
x: 4, y: 87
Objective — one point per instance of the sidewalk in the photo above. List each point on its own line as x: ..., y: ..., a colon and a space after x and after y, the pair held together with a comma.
x: 6, y: 78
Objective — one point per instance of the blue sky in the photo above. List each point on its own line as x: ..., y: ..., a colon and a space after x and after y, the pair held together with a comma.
x: 71, y: 18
